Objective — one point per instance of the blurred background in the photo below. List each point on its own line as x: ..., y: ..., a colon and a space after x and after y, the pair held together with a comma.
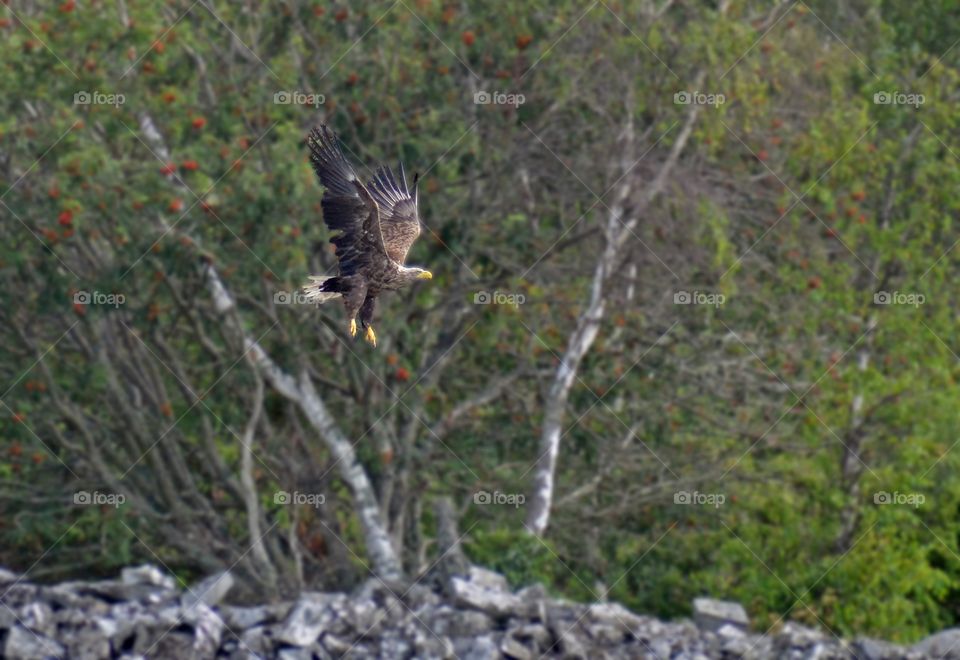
x: 691, y: 329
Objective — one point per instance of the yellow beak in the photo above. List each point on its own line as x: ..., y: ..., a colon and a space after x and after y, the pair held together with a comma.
x: 425, y: 275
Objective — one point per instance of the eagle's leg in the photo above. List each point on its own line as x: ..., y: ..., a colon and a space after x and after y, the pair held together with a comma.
x: 355, y: 293
x: 366, y: 317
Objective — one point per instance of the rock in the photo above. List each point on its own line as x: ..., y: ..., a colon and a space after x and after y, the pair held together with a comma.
x: 338, y: 646
x: 23, y: 644
x: 614, y: 616
x: 710, y: 614
x: 88, y: 643
x: 487, y: 579
x: 485, y: 594
x: 241, y: 618
x: 944, y: 644
x: 37, y: 617
x: 448, y: 622
x: 211, y: 590
x: 875, y: 649
x: 514, y: 648
x: 147, y: 574
x: 256, y: 641
x: 475, y: 617
x: 484, y: 647
x: 312, y: 615
x: 533, y: 635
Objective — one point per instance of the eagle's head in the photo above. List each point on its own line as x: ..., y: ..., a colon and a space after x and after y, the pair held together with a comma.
x: 412, y: 273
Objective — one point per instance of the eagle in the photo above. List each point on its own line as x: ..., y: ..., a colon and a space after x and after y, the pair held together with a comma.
x: 375, y: 225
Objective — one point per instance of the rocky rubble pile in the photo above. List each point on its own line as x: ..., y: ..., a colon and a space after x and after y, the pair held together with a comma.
x: 144, y: 615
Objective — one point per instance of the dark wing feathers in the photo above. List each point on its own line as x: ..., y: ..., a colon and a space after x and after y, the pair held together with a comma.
x: 399, y: 221
x: 380, y: 217
x: 348, y: 207
x: 328, y: 162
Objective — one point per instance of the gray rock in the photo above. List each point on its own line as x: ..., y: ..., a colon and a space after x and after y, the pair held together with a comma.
x: 313, y: 614
x: 256, y: 641
x: 533, y: 635
x: 944, y: 644
x: 448, y: 622
x: 338, y: 646
x: 87, y: 643
x: 147, y: 574
x: 514, y: 648
x: 484, y: 647
x: 241, y: 618
x: 38, y: 617
x: 711, y: 614
x: 484, y: 596
x: 875, y: 649
x: 211, y: 590
x: 23, y: 644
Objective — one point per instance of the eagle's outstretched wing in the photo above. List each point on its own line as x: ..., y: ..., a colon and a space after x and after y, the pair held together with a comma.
x: 348, y: 207
x: 399, y: 221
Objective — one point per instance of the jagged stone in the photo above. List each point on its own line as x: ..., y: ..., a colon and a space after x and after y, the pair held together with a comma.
x: 711, y: 614
x: 339, y: 646
x: 211, y: 590
x: 241, y: 618
x: 944, y: 644
x: 514, y: 648
x: 533, y: 635
x: 480, y: 592
x: 484, y: 647
x: 313, y: 614
x: 24, y: 644
x: 875, y: 649
x: 257, y: 641
x: 147, y: 574
x: 37, y: 617
x: 144, y: 615
x: 87, y: 643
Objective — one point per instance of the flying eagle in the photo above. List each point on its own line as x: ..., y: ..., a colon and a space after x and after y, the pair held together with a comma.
x: 377, y: 224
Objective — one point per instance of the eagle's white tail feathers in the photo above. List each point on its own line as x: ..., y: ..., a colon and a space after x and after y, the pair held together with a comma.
x: 312, y: 292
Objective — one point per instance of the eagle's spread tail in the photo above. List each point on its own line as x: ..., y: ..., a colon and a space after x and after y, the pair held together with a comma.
x: 321, y: 289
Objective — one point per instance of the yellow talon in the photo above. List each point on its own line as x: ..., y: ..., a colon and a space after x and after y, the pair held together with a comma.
x: 353, y: 327
x: 371, y: 336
